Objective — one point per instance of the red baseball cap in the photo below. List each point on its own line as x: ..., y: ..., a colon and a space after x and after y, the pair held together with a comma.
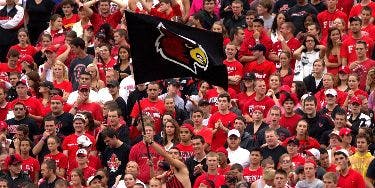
x: 344, y: 131
x: 27, y: 58
x: 189, y: 127
x: 258, y: 108
x: 51, y: 48
x: 355, y: 99
x: 57, y: 98
x: 344, y: 70
x: 285, y: 88
x: 13, y: 160
x: 222, y: 150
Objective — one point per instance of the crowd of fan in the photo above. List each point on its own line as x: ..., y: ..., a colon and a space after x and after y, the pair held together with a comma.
x: 299, y: 110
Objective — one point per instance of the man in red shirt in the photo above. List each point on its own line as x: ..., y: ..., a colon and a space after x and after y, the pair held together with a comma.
x: 167, y: 9
x: 348, y: 177
x: 286, y: 42
x: 83, y: 104
x: 4, y: 105
x: 289, y: 119
x: 151, y: 106
x: 138, y: 153
x: 11, y: 66
x: 234, y: 67
x: 261, y: 67
x: 348, y: 46
x: 119, y: 37
x: 256, y: 36
x: 82, y: 160
x: 362, y: 64
x: 261, y: 99
x: 104, y: 14
x: 368, y: 28
x: 69, y: 17
x: 212, y: 172
x: 29, y: 164
x: 221, y: 122
x: 254, y: 171
x: 356, y: 9
x: 186, y: 146
x: 327, y: 17
x: 70, y: 144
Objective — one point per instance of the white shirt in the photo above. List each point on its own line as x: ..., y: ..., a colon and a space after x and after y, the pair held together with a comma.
x: 104, y: 95
x: 93, y: 97
x: 127, y: 85
x: 304, y: 66
x: 240, y: 156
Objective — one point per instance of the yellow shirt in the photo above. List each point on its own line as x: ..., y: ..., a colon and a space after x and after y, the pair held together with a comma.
x: 361, y: 162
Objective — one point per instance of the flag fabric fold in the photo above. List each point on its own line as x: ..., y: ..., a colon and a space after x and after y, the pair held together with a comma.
x: 162, y: 49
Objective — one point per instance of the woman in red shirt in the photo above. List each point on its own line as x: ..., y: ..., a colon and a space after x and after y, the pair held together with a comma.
x: 353, y: 83
x: 33, y: 80
x: 24, y: 47
x: 56, y: 30
x: 332, y: 56
x: 60, y: 78
x: 286, y: 73
x: 305, y: 141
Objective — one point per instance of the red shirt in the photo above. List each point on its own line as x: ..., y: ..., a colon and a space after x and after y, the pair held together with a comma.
x: 94, y: 162
x: 369, y: 31
x: 290, y: 123
x: 223, y: 171
x: 266, y: 103
x: 69, y: 22
x: 30, y: 166
x: 93, y: 107
x: 352, y: 179
x: 32, y: 104
x: 243, y: 98
x: 60, y: 159
x: 219, y: 180
x: 185, y: 151
x: 65, y: 86
x: 28, y: 50
x: 326, y: 19
x: 347, y: 49
x: 220, y: 136
x: 70, y: 144
x: 359, y: 92
x: 211, y: 96
x: 252, y: 175
x: 356, y: 9
x: 234, y: 68
x: 345, y: 6
x: 4, y: 111
x: 298, y: 160
x: 153, y: 109
x: 262, y: 70
x: 293, y: 44
x: 362, y: 70
x: 4, y: 69
x: 138, y: 153
x: 112, y: 19
x: 249, y: 42
x: 206, y: 133
x: 176, y: 11
x: 321, y: 100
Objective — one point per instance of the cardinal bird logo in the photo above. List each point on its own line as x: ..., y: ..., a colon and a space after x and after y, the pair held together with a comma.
x: 181, y: 50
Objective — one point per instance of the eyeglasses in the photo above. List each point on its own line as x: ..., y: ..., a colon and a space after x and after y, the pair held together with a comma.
x: 16, y: 109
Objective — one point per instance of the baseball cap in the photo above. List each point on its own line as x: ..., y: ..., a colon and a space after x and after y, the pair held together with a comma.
x: 285, y: 88
x: 81, y: 153
x: 57, y: 98
x: 50, y: 48
x: 92, y: 178
x: 83, y: 141
x: 173, y: 82
x: 22, y: 81
x: 355, y: 99
x: 258, y: 108
x: 234, y: 132
x: 293, y: 141
x: 259, y: 47
x: 334, y: 133
x: 222, y: 150
x: 113, y: 83
x: 330, y: 92
x: 311, y: 161
x: 79, y: 116
x: 13, y: 160
x: 313, y: 152
x: 83, y: 87
x: 189, y: 127
x: 27, y: 58
x: 47, y: 84
x: 343, y: 151
x: 249, y: 76
x: 344, y: 131
x: 344, y: 70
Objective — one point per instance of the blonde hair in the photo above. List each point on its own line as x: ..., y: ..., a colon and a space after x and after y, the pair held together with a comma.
x: 370, y: 83
x: 65, y: 70
x: 96, y: 69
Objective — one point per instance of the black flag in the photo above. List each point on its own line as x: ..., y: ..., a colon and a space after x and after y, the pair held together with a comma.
x: 162, y: 49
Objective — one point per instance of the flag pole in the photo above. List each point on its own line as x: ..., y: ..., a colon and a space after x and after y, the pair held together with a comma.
x: 143, y: 127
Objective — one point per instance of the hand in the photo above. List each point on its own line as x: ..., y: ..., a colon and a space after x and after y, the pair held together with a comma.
x: 270, y: 93
x: 280, y: 38
x: 227, y: 8
x: 198, y: 169
x: 45, y: 134
x: 147, y: 139
x: 218, y: 124
x: 16, y: 142
x: 256, y: 34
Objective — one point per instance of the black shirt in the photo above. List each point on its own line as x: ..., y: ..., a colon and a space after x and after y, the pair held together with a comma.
x: 13, y: 124
x: 115, y: 160
x: 298, y: 14
x: 275, y: 153
x: 190, y: 164
x: 45, y: 184
x: 318, y: 125
x: 65, y: 124
x: 281, y: 5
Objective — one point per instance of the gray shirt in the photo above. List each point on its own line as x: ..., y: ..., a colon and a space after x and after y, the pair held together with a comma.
x: 317, y: 183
